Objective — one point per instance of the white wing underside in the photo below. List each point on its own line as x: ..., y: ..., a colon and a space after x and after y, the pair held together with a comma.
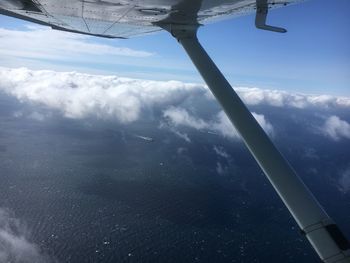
x: 126, y: 18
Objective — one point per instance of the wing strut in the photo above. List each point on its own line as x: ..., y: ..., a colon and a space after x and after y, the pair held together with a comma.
x: 325, y: 237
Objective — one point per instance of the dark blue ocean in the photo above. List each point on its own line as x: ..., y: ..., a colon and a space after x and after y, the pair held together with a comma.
x: 88, y: 190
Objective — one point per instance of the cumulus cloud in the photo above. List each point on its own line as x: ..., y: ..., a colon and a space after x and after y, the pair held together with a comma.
x: 223, y: 125
x: 335, y: 128
x: 219, y: 124
x: 221, y: 152
x: 174, y: 130
x: 344, y: 181
x: 14, y: 243
x: 279, y: 98
x: 182, y: 135
x: 221, y: 169
x: 267, y: 126
x: 78, y: 95
x: 45, y: 43
x: 81, y: 95
x: 180, y: 116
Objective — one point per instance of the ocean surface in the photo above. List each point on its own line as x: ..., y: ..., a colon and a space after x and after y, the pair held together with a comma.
x: 96, y: 191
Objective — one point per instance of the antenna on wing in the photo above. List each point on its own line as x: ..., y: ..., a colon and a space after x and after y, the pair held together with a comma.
x: 262, y: 9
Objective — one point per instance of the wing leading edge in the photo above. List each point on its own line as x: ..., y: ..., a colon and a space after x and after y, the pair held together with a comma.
x: 127, y: 18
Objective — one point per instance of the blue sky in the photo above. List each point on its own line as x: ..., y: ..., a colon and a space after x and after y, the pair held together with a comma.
x: 313, y: 57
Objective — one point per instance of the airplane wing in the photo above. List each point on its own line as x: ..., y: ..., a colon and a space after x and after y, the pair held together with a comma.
x: 127, y: 18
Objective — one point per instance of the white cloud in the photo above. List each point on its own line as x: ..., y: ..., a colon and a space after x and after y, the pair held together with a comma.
x: 14, y: 244
x: 78, y: 95
x: 223, y: 125
x: 267, y: 126
x: 81, y: 95
x: 220, y: 123
x: 40, y: 42
x: 335, y: 128
x: 37, y: 116
x: 182, y: 135
x: 279, y: 98
x: 181, y: 150
x: 221, y: 169
x: 344, y: 181
x: 179, y: 116
x: 34, y: 115
x: 172, y: 128
x: 221, y: 152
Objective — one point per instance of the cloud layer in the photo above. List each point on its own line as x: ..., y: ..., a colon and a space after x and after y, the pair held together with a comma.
x: 79, y: 96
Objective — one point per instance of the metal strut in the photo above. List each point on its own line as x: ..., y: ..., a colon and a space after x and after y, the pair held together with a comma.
x: 325, y: 237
